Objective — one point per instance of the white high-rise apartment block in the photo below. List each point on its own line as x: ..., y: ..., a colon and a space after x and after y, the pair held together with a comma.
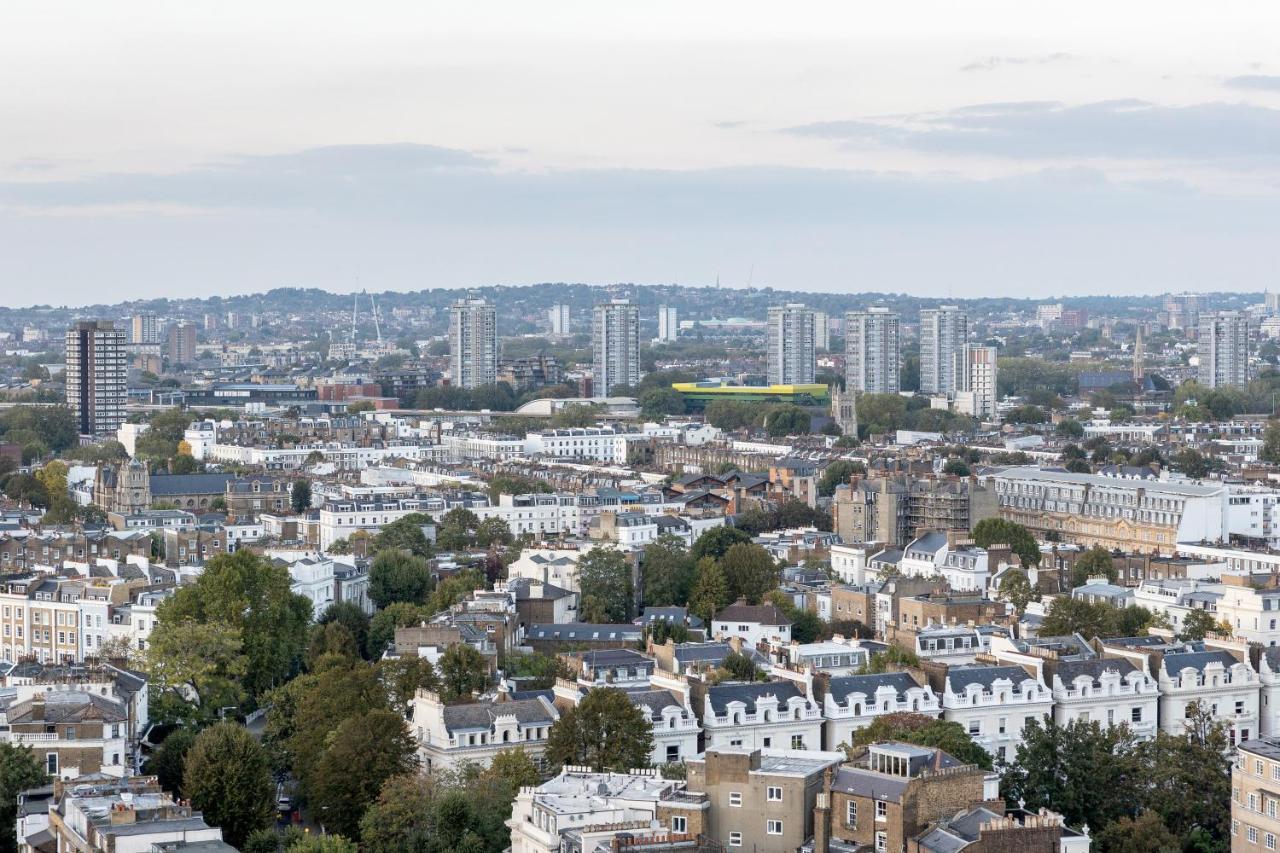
x: 615, y: 340
x: 668, y: 323
x: 473, y: 343
x: 871, y: 351
x: 1224, y: 349
x: 976, y: 395
x: 559, y: 317
x: 822, y: 330
x: 943, y: 332
x: 792, y: 358
x: 1271, y: 302
x: 96, y: 376
x: 146, y: 329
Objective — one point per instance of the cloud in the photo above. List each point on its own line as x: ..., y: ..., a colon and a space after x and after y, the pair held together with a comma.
x: 1118, y: 129
x: 729, y: 125
x: 408, y: 217
x: 991, y: 63
x: 1255, y: 82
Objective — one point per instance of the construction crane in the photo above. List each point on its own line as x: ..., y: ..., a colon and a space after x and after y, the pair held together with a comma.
x: 377, y: 327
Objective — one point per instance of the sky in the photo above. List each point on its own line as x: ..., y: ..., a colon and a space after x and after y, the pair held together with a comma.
x: 933, y: 148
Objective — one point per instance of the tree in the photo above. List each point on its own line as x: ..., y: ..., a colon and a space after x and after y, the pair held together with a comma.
x: 880, y: 413
x: 1069, y: 429
x: 246, y: 592
x: 404, y: 676
x: 1188, y: 777
x: 300, y: 496
x: 729, y: 414
x: 923, y: 730
x: 228, y: 779
x: 1068, y: 615
x: 1026, y: 415
x: 398, y: 577
x: 739, y: 667
x: 660, y: 402
x: 453, y: 589
x: 195, y: 668
x: 893, y: 659
x: 1083, y: 770
x: 796, y: 513
x: 493, y: 532
x: 333, y: 638
x: 404, y: 534
x: 838, y: 473
x: 1270, y: 451
x: 668, y: 572
x: 169, y: 762
x: 382, y: 628
x: 715, y: 541
x: 456, y: 530
x: 1016, y: 589
x: 1096, y: 562
x: 403, y: 817
x: 750, y: 571
x: 787, y: 419
x: 1145, y: 833
x: 20, y: 769
x: 543, y: 669
x: 997, y: 531
x: 363, y: 753
x: 710, y: 593
x: 605, y: 587
x: 463, y: 671
x: 349, y: 615
x: 604, y: 731
x: 1196, y: 624
x: 322, y: 844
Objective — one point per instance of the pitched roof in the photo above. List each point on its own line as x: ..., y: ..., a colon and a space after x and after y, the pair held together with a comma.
x: 1177, y: 661
x: 761, y: 614
x: 1070, y: 670
x: 189, y: 484
x: 985, y: 676
x: 722, y: 694
x: 482, y: 715
x: 841, y: 688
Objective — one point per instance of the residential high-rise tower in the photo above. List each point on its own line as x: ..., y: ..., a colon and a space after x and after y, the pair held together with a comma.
x: 792, y: 358
x: 668, y: 327
x: 473, y: 343
x: 96, y: 376
x: 943, y: 332
x: 871, y: 351
x: 615, y: 341
x: 1224, y: 349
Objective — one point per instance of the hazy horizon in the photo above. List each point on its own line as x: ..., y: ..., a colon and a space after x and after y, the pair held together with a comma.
x: 938, y: 150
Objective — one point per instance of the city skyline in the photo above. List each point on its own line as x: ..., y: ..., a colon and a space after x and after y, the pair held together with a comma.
x: 924, y: 149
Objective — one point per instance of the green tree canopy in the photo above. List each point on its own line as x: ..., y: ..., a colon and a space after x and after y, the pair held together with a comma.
x: 924, y: 730
x: 715, y: 541
x: 604, y: 731
x: 750, y: 571
x: 228, y: 779
x: 605, y: 588
x: 997, y: 531
x: 246, y: 592
x: 838, y: 473
x: 20, y: 769
x: 710, y: 592
x: 363, y: 753
x: 396, y: 576
x: 404, y: 534
x: 668, y: 572
x: 463, y: 670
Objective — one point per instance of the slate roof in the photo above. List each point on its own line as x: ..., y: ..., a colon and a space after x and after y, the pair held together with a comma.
x: 616, y: 657
x: 69, y: 706
x: 1070, y: 670
x: 841, y: 688
x: 1178, y: 661
x: 962, y: 676
x: 583, y: 631
x: 482, y: 715
x: 190, y: 484
x: 762, y: 614
x: 929, y: 544
x: 722, y: 694
x: 656, y: 700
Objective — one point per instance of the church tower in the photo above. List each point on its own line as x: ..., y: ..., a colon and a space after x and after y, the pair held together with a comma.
x: 133, y: 488
x: 844, y: 410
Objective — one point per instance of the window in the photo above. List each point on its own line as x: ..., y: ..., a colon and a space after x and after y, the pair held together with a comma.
x: 851, y: 815
x: 797, y: 741
x: 1253, y: 835
x: 51, y: 763
x: 773, y: 795
x: 975, y: 727
x: 773, y: 827
x: 1270, y: 840
x: 1257, y: 767
x: 882, y: 810
x: 1136, y: 715
x: 735, y: 839
x: 735, y: 799
x: 679, y: 824
x: 1004, y: 724
x: 673, y: 753
x: 882, y: 842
